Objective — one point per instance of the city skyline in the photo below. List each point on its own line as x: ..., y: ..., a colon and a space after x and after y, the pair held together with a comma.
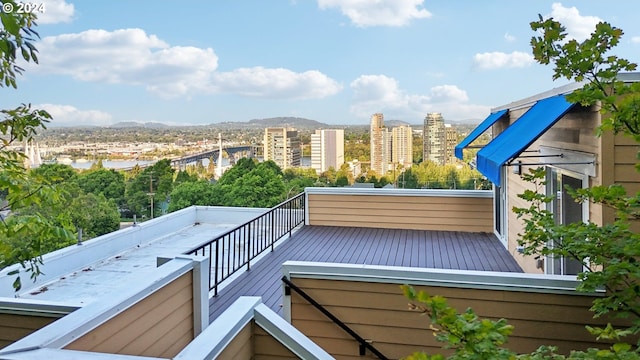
x: 334, y: 61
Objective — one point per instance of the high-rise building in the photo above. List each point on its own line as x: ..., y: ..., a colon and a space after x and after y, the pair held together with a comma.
x: 380, y: 149
x: 327, y: 149
x: 402, y: 145
x: 282, y: 145
x: 438, y: 139
x: 434, y: 139
x: 451, y: 140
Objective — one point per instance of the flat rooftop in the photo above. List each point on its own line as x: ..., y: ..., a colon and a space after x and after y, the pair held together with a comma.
x: 79, y: 274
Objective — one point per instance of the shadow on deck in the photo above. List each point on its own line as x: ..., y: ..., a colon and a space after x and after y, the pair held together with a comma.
x: 410, y: 248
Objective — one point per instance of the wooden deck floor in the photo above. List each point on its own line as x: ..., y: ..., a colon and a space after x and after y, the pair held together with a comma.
x: 412, y: 248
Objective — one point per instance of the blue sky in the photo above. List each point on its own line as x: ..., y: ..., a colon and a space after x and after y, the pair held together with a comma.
x: 335, y: 61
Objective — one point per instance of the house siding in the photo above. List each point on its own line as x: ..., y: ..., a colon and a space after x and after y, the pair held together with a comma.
x: 268, y: 348
x: 253, y: 343
x: 14, y: 327
x: 378, y: 312
x: 160, y: 325
x: 241, y: 347
x: 469, y: 214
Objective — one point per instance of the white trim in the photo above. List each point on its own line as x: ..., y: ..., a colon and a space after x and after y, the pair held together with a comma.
x: 62, y: 354
x: 466, y: 279
x: 35, y: 307
x: 224, y: 329
x: 399, y: 192
x: 306, y: 206
x: 287, y: 335
x: 69, y: 328
x: 215, y: 338
x: 200, y: 292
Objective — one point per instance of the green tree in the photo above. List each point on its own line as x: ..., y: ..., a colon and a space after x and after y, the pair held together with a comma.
x: 94, y: 214
x: 24, y: 235
x: 609, y: 253
x: 261, y: 187
x: 55, y: 173
x: 190, y: 193
x: 156, y: 179
x: 107, y: 182
x: 183, y: 176
x: 243, y: 166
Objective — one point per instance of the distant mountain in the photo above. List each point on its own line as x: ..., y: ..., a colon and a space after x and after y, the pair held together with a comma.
x: 395, y: 123
x: 128, y: 124
x: 293, y: 122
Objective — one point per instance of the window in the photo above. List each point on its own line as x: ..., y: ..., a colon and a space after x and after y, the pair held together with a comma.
x: 565, y: 211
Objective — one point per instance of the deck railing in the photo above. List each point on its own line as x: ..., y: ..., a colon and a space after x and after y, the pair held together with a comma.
x: 234, y: 250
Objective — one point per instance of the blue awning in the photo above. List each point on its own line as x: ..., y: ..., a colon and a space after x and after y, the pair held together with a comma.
x: 518, y: 136
x: 484, y: 125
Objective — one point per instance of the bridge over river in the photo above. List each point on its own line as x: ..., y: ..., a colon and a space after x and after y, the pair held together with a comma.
x: 234, y: 152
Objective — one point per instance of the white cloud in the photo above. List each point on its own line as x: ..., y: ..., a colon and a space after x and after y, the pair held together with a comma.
x: 635, y: 39
x: 496, y: 60
x: 365, y: 13
x: 67, y: 115
x: 56, y: 11
x: 276, y: 83
x: 578, y: 27
x: 128, y: 56
x: 509, y: 38
x: 380, y: 93
x: 133, y: 57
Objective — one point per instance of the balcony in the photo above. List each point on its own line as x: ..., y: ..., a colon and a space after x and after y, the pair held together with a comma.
x: 242, y: 251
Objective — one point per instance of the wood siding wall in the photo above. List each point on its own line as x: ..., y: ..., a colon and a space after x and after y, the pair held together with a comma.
x: 253, y: 343
x: 471, y: 214
x: 160, y: 325
x: 14, y: 327
x: 379, y: 312
x: 268, y: 348
x: 241, y: 347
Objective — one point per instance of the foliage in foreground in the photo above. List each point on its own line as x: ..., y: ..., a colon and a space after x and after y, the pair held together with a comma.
x: 25, y: 233
x: 467, y: 336
x: 609, y: 253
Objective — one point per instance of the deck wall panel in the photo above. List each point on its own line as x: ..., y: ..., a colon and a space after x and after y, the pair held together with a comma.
x: 160, y: 325
x: 378, y: 312
x: 402, y: 212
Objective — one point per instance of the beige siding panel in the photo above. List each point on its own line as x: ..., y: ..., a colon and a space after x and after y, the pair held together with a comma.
x: 159, y: 325
x: 515, y: 226
x: 623, y: 140
x: 626, y: 154
x: 626, y: 173
x: 14, y: 327
x: 268, y: 348
x: 402, y: 212
x: 379, y: 312
x: 241, y: 347
x: 575, y: 131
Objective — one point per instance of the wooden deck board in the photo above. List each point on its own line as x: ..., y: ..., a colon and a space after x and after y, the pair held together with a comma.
x: 411, y: 248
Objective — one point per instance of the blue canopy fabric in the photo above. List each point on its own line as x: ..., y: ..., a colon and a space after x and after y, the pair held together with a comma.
x: 518, y: 136
x: 484, y: 125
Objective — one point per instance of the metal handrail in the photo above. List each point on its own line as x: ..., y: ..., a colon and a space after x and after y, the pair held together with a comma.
x: 364, y: 344
x: 234, y: 249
